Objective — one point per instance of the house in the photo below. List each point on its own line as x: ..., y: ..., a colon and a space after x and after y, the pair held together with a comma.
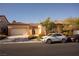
x: 23, y: 29
x: 75, y: 29
x: 59, y: 26
x: 66, y: 28
x: 3, y: 25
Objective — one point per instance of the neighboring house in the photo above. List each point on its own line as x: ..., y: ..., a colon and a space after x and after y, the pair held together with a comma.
x: 3, y: 25
x: 22, y: 29
x: 59, y: 27
x: 65, y: 28
x: 76, y: 29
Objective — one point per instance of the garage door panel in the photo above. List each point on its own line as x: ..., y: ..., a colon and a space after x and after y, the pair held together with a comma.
x: 18, y: 31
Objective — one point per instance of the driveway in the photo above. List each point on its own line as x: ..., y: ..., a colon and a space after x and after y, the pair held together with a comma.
x: 18, y: 40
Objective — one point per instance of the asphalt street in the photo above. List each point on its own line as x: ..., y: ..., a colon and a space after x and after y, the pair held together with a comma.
x: 39, y: 49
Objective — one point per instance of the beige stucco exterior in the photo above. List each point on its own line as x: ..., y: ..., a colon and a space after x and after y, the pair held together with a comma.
x: 25, y: 30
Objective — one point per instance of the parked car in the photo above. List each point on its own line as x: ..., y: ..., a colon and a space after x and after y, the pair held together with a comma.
x: 54, y: 37
x: 68, y: 38
x: 75, y: 38
x: 2, y: 36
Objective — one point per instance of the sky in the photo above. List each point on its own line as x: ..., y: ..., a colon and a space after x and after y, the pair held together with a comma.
x: 35, y: 13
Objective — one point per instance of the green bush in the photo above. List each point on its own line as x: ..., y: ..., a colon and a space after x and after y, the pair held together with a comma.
x: 40, y: 37
x: 32, y: 37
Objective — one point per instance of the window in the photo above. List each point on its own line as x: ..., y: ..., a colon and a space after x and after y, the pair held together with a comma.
x: 49, y: 34
x: 57, y: 35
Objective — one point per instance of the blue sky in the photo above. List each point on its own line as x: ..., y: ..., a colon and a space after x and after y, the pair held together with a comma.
x: 32, y: 13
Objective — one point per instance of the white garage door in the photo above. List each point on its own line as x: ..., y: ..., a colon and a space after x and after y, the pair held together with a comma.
x: 18, y: 31
x: 76, y: 32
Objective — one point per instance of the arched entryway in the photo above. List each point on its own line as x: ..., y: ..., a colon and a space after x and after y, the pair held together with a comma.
x: 33, y: 31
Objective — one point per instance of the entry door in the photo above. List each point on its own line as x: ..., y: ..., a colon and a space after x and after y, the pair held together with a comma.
x: 33, y: 31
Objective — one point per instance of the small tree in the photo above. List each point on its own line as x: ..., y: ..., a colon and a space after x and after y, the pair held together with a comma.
x: 69, y: 21
x: 77, y: 21
x: 48, y: 24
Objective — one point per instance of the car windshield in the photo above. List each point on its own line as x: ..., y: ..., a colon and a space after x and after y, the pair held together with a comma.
x: 54, y: 35
x: 57, y: 35
x: 49, y: 34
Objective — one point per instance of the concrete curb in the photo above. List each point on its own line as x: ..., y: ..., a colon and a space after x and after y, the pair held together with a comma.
x: 21, y: 42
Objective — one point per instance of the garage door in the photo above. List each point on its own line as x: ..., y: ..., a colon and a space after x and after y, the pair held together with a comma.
x: 76, y: 32
x: 18, y: 31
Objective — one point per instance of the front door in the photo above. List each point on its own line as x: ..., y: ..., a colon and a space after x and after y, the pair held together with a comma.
x: 33, y: 31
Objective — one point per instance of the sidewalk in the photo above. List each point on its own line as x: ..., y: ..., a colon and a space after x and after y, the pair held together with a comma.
x: 9, y: 42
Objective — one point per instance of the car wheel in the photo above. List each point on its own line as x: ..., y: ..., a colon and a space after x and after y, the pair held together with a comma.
x: 49, y: 41
x: 77, y: 40
x: 63, y: 41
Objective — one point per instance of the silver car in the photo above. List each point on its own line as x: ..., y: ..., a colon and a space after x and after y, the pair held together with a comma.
x: 54, y: 37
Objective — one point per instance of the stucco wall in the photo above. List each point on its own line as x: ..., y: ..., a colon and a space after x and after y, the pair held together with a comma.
x: 38, y: 30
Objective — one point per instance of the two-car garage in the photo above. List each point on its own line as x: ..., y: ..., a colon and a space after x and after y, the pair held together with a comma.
x: 18, y: 29
x: 18, y: 32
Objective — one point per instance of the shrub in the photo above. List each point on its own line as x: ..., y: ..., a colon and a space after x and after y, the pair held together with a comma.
x: 40, y: 37
x: 32, y: 37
